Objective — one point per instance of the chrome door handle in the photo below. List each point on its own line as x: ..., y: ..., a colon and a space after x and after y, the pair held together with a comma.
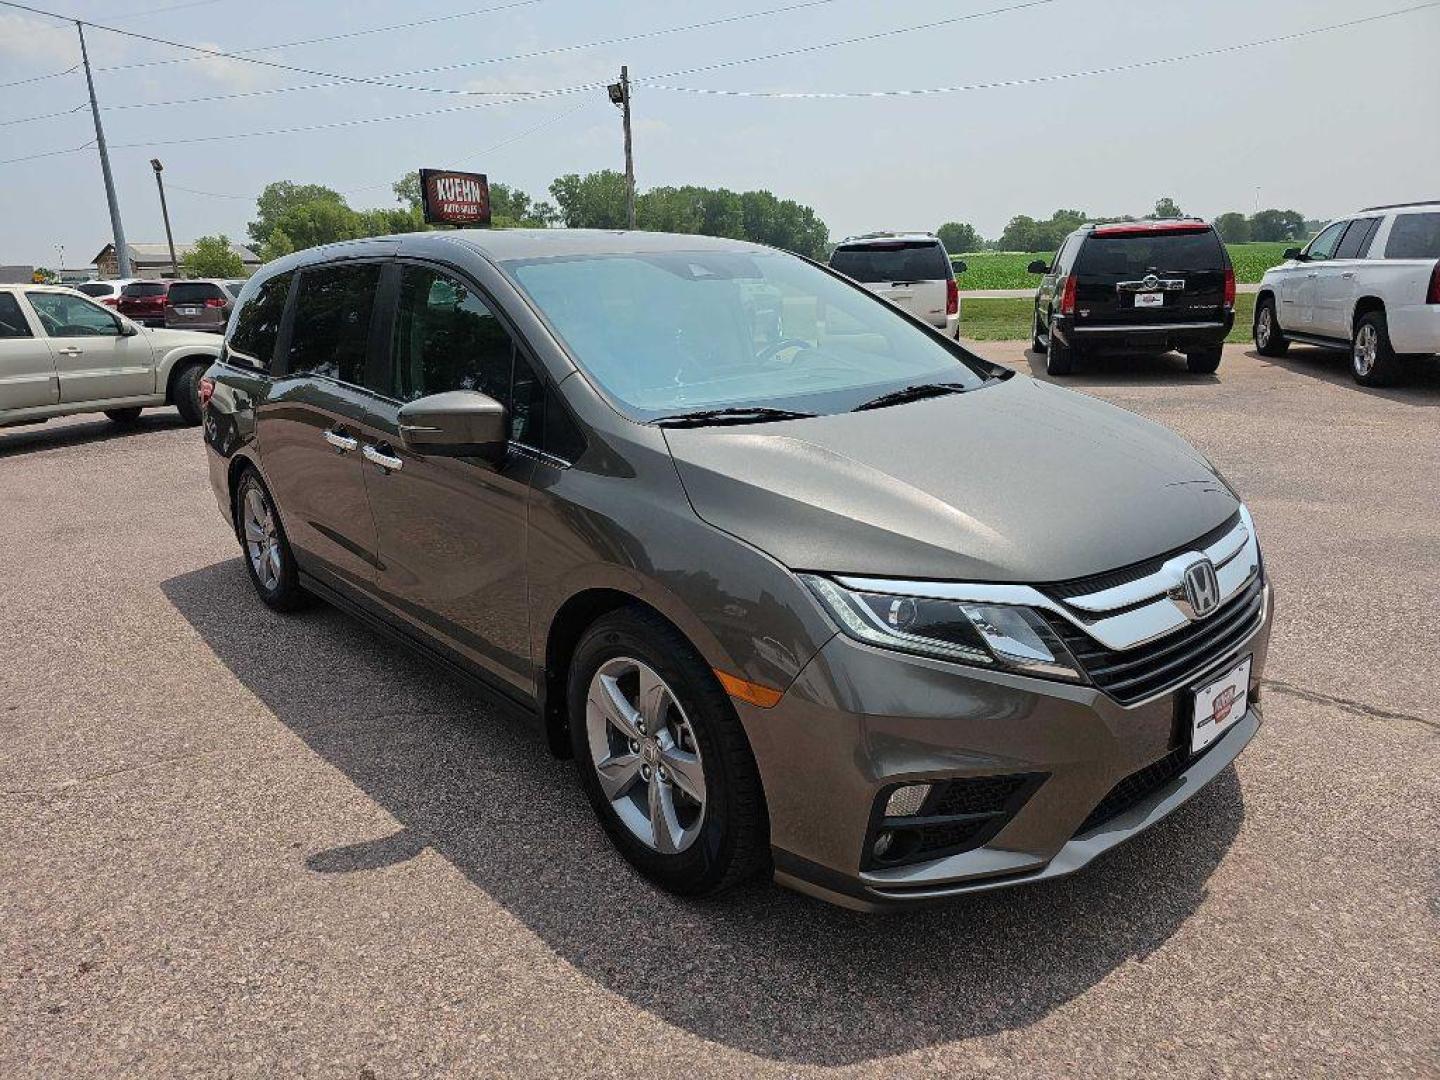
x: 1313, y: 273
x: 376, y: 456
x: 1348, y: 274
x: 342, y: 443
x: 71, y: 350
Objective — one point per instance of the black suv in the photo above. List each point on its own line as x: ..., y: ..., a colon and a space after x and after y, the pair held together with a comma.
x: 1135, y: 286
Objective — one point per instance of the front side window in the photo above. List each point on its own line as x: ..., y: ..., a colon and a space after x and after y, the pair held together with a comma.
x: 1414, y: 236
x: 331, y: 334
x: 668, y: 332
x: 897, y: 260
x: 257, y: 327
x: 68, y: 315
x: 12, y: 319
x: 1323, y: 246
x: 446, y: 338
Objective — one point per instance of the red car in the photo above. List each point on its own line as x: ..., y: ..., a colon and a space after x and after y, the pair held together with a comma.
x: 144, y: 301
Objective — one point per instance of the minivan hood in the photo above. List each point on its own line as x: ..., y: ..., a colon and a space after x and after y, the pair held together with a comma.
x: 1019, y: 481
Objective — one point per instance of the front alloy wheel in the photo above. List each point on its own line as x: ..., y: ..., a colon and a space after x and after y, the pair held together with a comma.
x: 645, y: 755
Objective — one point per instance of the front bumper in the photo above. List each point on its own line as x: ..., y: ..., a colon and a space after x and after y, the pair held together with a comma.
x: 1157, y: 337
x: 859, y: 719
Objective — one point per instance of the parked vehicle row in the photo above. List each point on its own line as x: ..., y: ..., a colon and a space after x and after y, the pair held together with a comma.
x: 190, y: 304
x: 1368, y: 283
x: 798, y: 581
x: 62, y: 352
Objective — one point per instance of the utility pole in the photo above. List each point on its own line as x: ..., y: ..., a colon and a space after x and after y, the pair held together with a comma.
x: 122, y: 250
x: 620, y: 95
x: 165, y: 213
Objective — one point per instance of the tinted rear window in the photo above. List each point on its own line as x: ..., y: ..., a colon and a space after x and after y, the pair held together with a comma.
x: 1135, y: 256
x: 189, y: 292
x: 1414, y: 236
x: 903, y: 260
x: 145, y: 288
x: 257, y: 326
x: 95, y: 288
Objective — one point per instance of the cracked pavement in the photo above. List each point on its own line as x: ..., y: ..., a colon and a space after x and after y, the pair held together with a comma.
x: 239, y: 844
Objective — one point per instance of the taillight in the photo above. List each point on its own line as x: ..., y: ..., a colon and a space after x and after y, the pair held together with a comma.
x: 952, y: 297
x: 207, y: 390
x: 1067, y: 296
x: 1229, y: 286
x: 1432, y: 294
x: 214, y: 301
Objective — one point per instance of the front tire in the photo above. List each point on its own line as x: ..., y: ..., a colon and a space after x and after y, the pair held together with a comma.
x: 1269, y: 341
x: 268, y: 556
x: 1373, y: 361
x: 1204, y: 361
x: 663, y: 758
x: 123, y: 417
x: 185, y: 392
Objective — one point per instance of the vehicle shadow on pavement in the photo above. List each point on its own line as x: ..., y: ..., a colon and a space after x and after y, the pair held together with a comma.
x: 1419, y: 385
x: 28, y: 438
x: 1124, y: 369
x: 761, y: 969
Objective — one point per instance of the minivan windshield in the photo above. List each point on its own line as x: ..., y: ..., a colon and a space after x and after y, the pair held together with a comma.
x: 892, y: 260
x: 1136, y: 255
x: 675, y: 332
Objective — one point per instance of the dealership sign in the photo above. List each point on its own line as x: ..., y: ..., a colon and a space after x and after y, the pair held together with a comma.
x: 455, y: 198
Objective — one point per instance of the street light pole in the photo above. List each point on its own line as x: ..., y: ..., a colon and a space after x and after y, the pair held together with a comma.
x: 122, y: 250
x: 620, y: 95
x: 165, y: 213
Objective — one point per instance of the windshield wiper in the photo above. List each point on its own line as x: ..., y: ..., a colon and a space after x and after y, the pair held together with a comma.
x: 754, y: 414
x: 912, y: 393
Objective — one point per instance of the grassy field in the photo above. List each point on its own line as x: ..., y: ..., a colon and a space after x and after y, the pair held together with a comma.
x: 1006, y: 269
x: 1006, y: 319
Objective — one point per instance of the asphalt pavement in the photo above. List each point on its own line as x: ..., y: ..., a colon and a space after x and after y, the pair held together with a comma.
x: 240, y: 844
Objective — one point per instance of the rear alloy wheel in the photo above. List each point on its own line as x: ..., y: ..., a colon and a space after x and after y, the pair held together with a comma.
x: 268, y: 557
x: 1269, y: 341
x: 663, y: 758
x: 1204, y: 361
x: 1372, y: 360
x: 123, y: 417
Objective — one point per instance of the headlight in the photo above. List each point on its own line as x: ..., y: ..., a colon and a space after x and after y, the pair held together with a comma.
x: 987, y: 635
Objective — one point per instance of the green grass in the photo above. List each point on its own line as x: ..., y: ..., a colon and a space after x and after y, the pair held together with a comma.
x: 1006, y: 269
x: 1008, y: 319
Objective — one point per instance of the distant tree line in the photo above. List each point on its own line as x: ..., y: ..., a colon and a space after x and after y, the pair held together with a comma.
x: 1025, y: 233
x: 291, y: 216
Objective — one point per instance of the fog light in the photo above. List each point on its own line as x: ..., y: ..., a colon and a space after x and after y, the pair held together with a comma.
x: 906, y: 801
x: 882, y: 844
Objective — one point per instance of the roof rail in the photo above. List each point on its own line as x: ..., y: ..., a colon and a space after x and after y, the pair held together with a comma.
x: 886, y: 233
x: 1399, y: 205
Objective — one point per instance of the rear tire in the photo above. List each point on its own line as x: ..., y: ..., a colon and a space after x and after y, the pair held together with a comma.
x: 1269, y: 341
x: 701, y: 847
x: 268, y: 557
x: 1037, y: 345
x: 1060, y: 358
x: 1373, y: 361
x: 1204, y: 361
x: 123, y: 417
x: 185, y: 392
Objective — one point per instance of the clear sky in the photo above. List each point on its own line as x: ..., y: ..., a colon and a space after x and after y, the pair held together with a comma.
x: 1323, y: 124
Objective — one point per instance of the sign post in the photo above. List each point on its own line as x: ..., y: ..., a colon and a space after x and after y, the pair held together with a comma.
x: 454, y: 198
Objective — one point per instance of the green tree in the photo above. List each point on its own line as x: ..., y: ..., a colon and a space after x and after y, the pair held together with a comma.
x: 593, y: 201
x: 278, y: 244
x: 1277, y: 225
x: 958, y: 237
x: 1166, y: 207
x: 1234, y: 228
x: 282, y: 196
x: 212, y: 256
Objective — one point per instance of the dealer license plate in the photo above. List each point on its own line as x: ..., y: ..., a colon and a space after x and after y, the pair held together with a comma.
x: 1149, y: 299
x: 1218, y: 705
x: 188, y: 310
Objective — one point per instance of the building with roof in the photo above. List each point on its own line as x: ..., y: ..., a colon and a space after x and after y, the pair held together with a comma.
x: 153, y: 260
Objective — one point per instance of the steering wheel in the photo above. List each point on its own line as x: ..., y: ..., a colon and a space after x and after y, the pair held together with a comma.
x: 773, y: 350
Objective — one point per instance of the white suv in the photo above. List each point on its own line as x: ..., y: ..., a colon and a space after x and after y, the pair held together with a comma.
x: 911, y: 270
x: 62, y: 353
x: 1369, y: 283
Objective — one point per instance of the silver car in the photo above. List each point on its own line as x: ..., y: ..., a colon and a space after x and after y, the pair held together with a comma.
x: 800, y: 584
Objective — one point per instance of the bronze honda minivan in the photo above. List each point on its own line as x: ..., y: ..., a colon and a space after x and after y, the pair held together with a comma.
x: 799, y: 582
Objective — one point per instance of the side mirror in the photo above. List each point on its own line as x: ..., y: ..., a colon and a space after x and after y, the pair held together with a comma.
x: 1294, y: 253
x: 127, y: 329
x: 1039, y: 266
x: 959, y: 265
x: 457, y: 423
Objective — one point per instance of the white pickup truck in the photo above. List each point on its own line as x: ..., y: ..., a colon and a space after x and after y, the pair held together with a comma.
x: 62, y: 353
x: 1369, y: 283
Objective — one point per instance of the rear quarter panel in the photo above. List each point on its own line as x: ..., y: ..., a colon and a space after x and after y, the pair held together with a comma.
x: 229, y: 428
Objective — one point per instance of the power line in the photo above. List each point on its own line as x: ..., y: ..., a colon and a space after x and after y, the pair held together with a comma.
x: 41, y: 78
x: 42, y: 116
x: 48, y: 153
x: 1002, y: 83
